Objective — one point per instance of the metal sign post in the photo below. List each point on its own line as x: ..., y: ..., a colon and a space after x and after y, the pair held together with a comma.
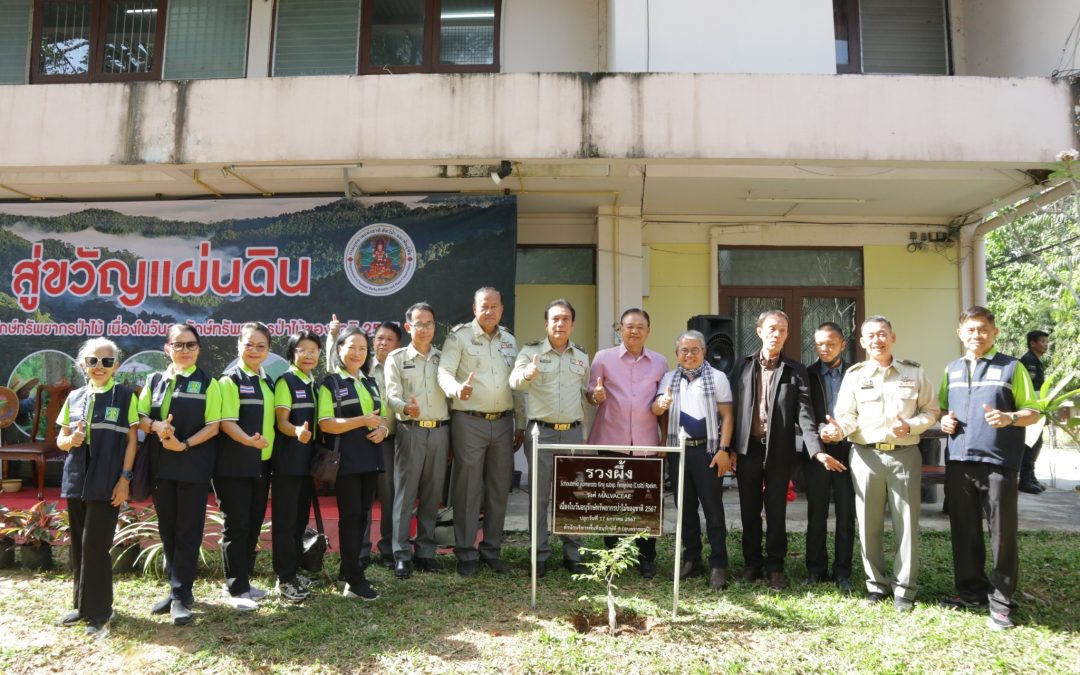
x: 573, y: 449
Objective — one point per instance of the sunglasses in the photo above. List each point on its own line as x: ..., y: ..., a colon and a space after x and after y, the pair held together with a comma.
x: 105, y: 361
x: 184, y: 346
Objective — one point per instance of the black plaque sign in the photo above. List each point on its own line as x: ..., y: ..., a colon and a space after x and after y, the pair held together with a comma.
x: 608, y: 495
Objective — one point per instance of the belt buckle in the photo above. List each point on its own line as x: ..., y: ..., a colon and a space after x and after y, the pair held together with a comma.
x: 427, y: 424
x: 491, y: 417
x: 886, y: 446
x: 562, y: 426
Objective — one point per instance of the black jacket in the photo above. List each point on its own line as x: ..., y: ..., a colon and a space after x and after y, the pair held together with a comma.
x: 820, y: 399
x: 791, y: 406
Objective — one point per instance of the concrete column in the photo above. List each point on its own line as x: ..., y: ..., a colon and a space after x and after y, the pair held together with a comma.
x: 618, y: 268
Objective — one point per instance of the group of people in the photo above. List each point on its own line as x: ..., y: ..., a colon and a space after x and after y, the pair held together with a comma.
x: 394, y: 413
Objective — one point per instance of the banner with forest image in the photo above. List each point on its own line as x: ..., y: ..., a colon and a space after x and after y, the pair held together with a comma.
x: 127, y: 270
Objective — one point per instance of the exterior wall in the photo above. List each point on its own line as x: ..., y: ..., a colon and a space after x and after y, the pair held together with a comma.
x: 455, y: 117
x: 706, y: 36
x: 679, y: 285
x: 1006, y: 38
x: 552, y: 35
x: 919, y: 294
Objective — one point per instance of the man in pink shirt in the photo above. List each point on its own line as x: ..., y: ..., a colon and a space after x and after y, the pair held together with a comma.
x: 624, y: 380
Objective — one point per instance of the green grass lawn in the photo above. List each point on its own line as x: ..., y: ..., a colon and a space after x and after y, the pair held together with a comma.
x: 446, y: 623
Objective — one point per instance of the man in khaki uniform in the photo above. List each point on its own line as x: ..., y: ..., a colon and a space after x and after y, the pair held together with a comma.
x: 423, y: 439
x: 555, y: 373
x: 883, y: 405
x: 474, y: 372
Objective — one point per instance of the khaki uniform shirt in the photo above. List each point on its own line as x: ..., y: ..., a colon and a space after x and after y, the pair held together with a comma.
x: 871, y: 397
x: 468, y: 349
x: 410, y: 373
x: 557, y: 392
x: 378, y: 372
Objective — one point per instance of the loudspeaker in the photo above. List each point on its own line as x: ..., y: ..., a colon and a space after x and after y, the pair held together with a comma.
x: 719, y: 332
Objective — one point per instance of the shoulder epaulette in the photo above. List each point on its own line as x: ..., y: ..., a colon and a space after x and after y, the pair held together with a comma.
x: 457, y: 327
x: 577, y: 347
x: 399, y: 349
x: 506, y: 330
x: 534, y: 343
x: 857, y: 366
x: 909, y: 362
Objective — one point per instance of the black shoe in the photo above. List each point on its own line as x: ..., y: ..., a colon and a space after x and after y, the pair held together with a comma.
x: 541, y: 569
x: 162, y: 606
x: 466, y: 568
x: 573, y: 566
x: 98, y: 630
x: 959, y: 602
x: 718, y: 578
x: 777, y: 581
x: 497, y: 566
x: 902, y: 604
x: 181, y: 614
x: 751, y: 574
x: 428, y: 565
x: 691, y: 568
x: 873, y: 597
x: 403, y: 569
x: 1030, y: 488
x: 361, y: 589
x: 816, y: 578
x: 386, y: 561
x: 844, y: 584
x: 647, y: 569
x: 71, y: 618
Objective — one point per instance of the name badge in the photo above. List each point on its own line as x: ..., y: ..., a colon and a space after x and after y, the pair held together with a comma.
x: 993, y: 373
x: 112, y: 414
x: 408, y: 366
x: 342, y: 393
x: 956, y: 375
x: 907, y: 382
x: 300, y: 393
x: 194, y: 387
x: 247, y: 389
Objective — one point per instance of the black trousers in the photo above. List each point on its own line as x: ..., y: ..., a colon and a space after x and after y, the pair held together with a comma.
x: 976, y: 490
x: 702, y: 487
x: 1027, y: 467
x: 821, y: 485
x: 355, y: 494
x: 243, y: 503
x: 752, y: 470
x: 181, y: 509
x: 292, y: 508
x: 647, y: 546
x: 92, y: 526
x: 384, y: 491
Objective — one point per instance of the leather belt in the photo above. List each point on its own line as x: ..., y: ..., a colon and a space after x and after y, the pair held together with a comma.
x: 490, y: 417
x: 557, y: 426
x: 759, y: 439
x: 696, y: 442
x: 424, y: 424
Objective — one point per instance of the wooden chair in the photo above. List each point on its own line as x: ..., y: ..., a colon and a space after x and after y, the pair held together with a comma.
x: 34, y: 450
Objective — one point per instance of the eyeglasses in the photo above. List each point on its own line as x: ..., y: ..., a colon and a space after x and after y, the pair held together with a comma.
x: 689, y: 352
x: 308, y: 352
x: 105, y: 361
x: 424, y: 325
x: 255, y: 348
x: 192, y: 346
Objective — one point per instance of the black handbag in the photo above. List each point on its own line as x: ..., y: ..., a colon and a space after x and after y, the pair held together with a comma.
x: 141, y: 485
x: 316, y: 543
x: 327, y: 460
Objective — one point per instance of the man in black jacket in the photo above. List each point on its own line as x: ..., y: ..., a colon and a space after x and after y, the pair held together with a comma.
x: 1038, y: 342
x: 825, y: 375
x: 771, y: 399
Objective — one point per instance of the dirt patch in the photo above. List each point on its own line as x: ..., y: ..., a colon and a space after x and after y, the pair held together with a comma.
x: 628, y: 622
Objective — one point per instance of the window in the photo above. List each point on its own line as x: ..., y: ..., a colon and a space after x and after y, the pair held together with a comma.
x: 316, y: 37
x: 207, y: 39
x: 97, y: 40
x: 846, y: 29
x: 891, y: 36
x: 429, y: 36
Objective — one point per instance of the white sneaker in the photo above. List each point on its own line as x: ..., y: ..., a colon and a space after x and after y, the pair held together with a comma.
x: 242, y: 603
x: 256, y: 593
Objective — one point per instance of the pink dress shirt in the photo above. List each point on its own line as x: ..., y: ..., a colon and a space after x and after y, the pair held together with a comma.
x: 626, y: 418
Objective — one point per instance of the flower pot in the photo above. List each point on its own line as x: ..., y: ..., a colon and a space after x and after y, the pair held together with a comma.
x: 11, y: 484
x: 124, y: 558
x: 7, y: 553
x: 36, y: 557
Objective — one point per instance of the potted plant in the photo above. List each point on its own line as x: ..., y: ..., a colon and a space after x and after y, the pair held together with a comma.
x: 36, y: 530
x: 7, y: 542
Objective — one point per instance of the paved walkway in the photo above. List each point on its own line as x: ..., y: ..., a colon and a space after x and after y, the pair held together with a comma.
x: 1056, y: 509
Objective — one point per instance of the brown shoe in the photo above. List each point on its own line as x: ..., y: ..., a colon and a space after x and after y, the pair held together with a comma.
x: 718, y: 578
x: 750, y: 574
x: 777, y: 581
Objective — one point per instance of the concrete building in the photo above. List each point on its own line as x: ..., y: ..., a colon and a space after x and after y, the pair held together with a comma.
x: 834, y: 157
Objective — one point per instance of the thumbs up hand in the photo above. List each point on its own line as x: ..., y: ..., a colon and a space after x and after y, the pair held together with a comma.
x: 303, y: 433
x: 599, y: 395
x: 996, y: 418
x: 949, y: 423
x: 334, y: 327
x: 412, y: 409
x: 466, y: 388
x: 531, y: 369
x: 665, y: 401
x: 79, y: 434
x: 257, y: 441
x: 831, y: 431
x: 899, y: 428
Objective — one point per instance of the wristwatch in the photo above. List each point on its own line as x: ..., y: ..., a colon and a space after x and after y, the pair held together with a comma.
x: 127, y: 474
x: 1013, y: 417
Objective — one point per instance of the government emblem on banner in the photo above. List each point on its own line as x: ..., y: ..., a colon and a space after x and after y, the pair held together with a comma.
x: 380, y: 259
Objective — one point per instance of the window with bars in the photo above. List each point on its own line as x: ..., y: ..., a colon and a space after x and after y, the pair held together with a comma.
x: 97, y: 40
x: 429, y: 36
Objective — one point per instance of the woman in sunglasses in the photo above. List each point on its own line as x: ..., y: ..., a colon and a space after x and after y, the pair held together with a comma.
x: 294, y: 407
x: 179, y: 410
x: 348, y: 405
x: 98, y: 431
x: 242, y: 473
